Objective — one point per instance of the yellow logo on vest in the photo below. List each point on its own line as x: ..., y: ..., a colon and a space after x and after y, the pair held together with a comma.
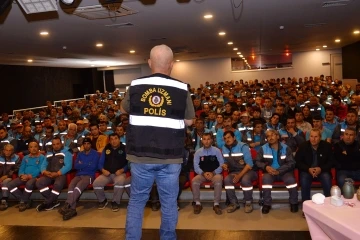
x: 156, y: 97
x: 108, y: 151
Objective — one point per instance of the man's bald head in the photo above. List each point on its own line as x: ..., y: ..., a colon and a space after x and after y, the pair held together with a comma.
x: 161, y: 59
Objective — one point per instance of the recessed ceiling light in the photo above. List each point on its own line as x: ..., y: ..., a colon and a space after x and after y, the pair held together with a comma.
x: 337, y: 40
x: 99, y: 45
x: 318, y: 49
x: 230, y: 43
x: 208, y: 16
x: 30, y: 60
x: 235, y: 49
x: 178, y: 60
x: 356, y: 32
x: 324, y: 46
x: 238, y: 53
x: 222, y: 33
x: 107, y: 66
x: 132, y: 51
x: 44, y: 33
x: 241, y: 56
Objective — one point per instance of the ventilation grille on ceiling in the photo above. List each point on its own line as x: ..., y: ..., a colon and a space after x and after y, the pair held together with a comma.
x: 120, y: 25
x: 337, y: 3
x: 112, y: 10
x: 312, y: 25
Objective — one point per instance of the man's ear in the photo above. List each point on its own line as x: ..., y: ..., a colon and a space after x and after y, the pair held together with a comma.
x: 149, y: 62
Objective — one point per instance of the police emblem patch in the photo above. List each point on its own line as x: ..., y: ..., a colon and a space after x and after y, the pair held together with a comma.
x: 120, y: 151
x: 61, y: 160
x: 108, y: 151
x: 241, y: 161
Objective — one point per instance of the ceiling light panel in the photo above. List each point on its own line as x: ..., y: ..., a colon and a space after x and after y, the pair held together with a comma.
x: 38, y: 6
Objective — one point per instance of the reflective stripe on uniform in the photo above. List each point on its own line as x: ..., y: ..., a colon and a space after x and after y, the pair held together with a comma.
x: 282, y: 156
x: 229, y: 187
x: 267, y: 186
x: 237, y: 154
x: 60, y: 154
x: 268, y: 156
x: 157, y: 122
x: 4, y: 188
x: 226, y: 155
x: 13, y: 190
x: 98, y: 188
x: 292, y: 185
x: 158, y: 81
x: 55, y: 192
x: 44, y: 189
x: 28, y: 190
x: 117, y: 186
x: 128, y: 185
x: 247, y: 188
x: 78, y: 189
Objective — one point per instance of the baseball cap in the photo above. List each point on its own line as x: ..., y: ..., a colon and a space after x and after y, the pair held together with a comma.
x: 87, y: 140
x: 79, y: 122
x: 244, y: 114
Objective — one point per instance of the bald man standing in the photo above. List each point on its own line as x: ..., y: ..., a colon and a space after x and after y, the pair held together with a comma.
x: 159, y: 107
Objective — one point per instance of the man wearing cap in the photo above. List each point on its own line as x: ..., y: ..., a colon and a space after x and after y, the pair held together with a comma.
x: 326, y: 134
x: 82, y: 132
x: 58, y: 163
x: 159, y: 108
x: 85, y: 165
x: 245, y: 125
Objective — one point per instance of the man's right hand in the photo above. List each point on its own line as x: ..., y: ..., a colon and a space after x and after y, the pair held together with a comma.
x: 208, y: 175
x: 105, y: 172
x: 270, y: 170
x: 224, y: 167
x: 312, y: 172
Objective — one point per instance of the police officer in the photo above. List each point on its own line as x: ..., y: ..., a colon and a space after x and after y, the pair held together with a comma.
x: 58, y: 163
x: 113, y: 165
x: 239, y: 163
x: 159, y: 107
x: 277, y: 162
x: 207, y: 165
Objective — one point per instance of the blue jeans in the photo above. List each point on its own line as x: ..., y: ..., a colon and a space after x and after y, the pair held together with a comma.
x: 306, y: 179
x: 342, y: 174
x: 143, y: 176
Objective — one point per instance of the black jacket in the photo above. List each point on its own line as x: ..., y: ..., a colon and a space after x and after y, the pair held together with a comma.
x: 347, y: 157
x: 304, y: 156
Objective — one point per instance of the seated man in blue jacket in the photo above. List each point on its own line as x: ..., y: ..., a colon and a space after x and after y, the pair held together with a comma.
x: 30, y: 169
x: 207, y: 165
x: 86, y: 165
x: 277, y: 162
x: 113, y: 165
x: 58, y: 163
x: 239, y: 163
